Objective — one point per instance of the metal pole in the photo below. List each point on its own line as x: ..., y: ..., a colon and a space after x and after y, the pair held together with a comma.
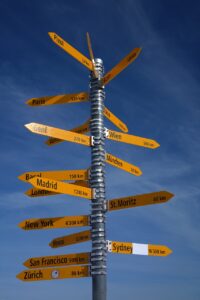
x: 97, y: 174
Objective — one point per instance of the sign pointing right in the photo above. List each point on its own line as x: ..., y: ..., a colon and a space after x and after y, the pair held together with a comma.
x: 131, y: 139
x: 138, y: 249
x: 139, y: 200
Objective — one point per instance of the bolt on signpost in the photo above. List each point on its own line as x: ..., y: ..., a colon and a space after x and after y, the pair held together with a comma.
x: 88, y: 184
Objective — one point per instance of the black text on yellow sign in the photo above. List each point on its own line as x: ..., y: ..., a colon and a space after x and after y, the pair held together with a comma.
x: 58, y: 99
x: 56, y: 222
x: 139, y: 200
x: 121, y: 65
x: 122, y: 164
x: 54, y: 273
x: 71, y: 239
x: 57, y: 175
x: 71, y: 50
x: 61, y: 187
x: 58, y: 260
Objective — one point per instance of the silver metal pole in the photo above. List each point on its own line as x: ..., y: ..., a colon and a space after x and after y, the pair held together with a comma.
x: 97, y: 181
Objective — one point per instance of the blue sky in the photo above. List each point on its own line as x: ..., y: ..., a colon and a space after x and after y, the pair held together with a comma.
x: 158, y: 97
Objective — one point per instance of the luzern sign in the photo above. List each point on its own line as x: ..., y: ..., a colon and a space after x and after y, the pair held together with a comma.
x: 71, y: 239
x: 54, y: 273
x: 56, y: 222
x: 58, y: 260
x: 139, y: 200
x: 138, y: 249
x: 61, y: 187
x: 122, y: 164
x: 59, y: 133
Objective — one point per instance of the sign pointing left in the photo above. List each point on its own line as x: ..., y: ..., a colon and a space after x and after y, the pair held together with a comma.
x: 61, y: 187
x: 57, y: 175
x: 54, y: 273
x: 59, y: 133
x: 58, y: 99
x: 71, y: 239
x: 58, y: 260
x: 71, y: 50
x: 58, y: 222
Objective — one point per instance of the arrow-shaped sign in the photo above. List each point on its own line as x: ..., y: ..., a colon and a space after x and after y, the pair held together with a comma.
x: 58, y: 99
x: 35, y: 192
x: 122, y: 164
x: 121, y: 65
x: 139, y: 200
x: 138, y: 249
x: 61, y: 187
x: 71, y: 50
x: 54, y: 273
x: 57, y: 175
x: 71, y: 239
x: 59, y: 133
x: 58, y: 222
x: 131, y: 139
x: 80, y: 129
x: 58, y: 260
x: 115, y: 120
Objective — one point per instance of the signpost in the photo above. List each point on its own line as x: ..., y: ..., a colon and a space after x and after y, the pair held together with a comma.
x: 132, y: 139
x: 89, y: 184
x: 138, y: 249
x: 55, y: 273
x: 57, y: 175
x: 139, y: 200
x: 58, y: 222
x: 122, y: 164
x: 61, y: 187
x: 58, y: 260
x: 71, y: 239
x: 59, y: 133
x: 58, y: 99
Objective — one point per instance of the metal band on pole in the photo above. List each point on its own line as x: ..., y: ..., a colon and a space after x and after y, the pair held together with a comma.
x: 97, y: 182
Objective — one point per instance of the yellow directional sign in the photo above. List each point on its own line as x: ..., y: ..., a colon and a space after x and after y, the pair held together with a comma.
x: 138, y: 249
x: 132, y: 139
x: 59, y: 133
x: 80, y: 129
x: 58, y: 99
x: 91, y: 54
x: 58, y: 222
x: 122, y: 164
x: 116, y: 121
x: 71, y: 239
x: 139, y: 200
x: 61, y: 187
x: 58, y: 260
x: 71, y: 50
x: 54, y: 273
x: 34, y: 192
x: 57, y: 175
x: 121, y: 65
